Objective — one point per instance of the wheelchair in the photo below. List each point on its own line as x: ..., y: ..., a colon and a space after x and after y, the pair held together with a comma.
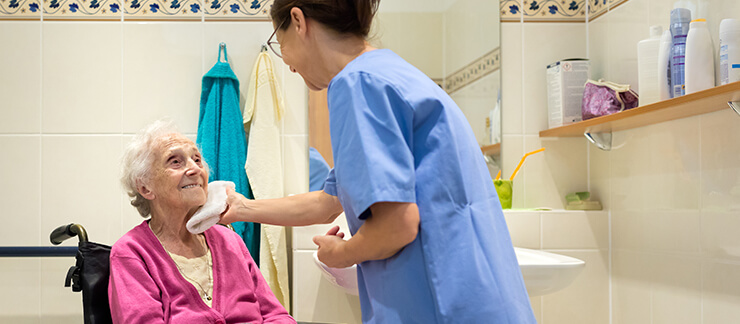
x: 89, y: 274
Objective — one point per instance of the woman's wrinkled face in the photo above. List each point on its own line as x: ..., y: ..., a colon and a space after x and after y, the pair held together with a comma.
x: 179, y: 179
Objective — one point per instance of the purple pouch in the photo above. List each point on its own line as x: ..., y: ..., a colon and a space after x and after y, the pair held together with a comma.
x: 601, y: 98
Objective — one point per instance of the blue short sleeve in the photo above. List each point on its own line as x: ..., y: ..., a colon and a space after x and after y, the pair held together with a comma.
x: 371, y: 133
x: 330, y: 185
x: 318, y: 170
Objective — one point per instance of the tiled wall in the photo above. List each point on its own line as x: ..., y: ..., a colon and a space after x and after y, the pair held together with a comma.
x: 415, y: 36
x: 673, y: 189
x: 73, y: 93
x: 526, y: 50
x: 579, y: 234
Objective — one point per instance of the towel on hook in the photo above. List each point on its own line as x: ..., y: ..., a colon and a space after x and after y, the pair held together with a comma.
x: 210, y: 213
x: 222, y: 140
x: 264, y: 166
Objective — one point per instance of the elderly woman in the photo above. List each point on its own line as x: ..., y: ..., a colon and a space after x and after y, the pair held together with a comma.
x: 160, y: 272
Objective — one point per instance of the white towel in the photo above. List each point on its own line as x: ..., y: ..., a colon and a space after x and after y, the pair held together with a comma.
x: 209, y: 214
x: 262, y: 114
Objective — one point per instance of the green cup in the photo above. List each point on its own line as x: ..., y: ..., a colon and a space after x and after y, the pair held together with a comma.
x: 503, y: 188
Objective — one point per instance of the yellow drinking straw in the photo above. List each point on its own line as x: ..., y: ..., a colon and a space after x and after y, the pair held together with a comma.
x: 498, y: 176
x: 522, y: 162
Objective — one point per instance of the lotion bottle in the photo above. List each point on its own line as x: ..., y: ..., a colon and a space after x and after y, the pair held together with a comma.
x: 699, y: 57
x: 647, y: 67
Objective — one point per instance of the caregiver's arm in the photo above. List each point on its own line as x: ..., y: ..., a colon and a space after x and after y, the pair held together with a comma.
x: 316, y: 207
x: 391, y: 227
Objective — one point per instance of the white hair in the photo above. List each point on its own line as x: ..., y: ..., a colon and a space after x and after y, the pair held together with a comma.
x: 138, y: 159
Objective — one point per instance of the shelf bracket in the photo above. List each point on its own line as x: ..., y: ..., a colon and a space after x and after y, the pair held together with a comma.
x: 491, y: 160
x: 734, y: 105
x: 602, y: 140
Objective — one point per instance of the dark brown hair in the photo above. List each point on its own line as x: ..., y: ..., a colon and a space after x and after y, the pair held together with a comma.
x: 343, y: 16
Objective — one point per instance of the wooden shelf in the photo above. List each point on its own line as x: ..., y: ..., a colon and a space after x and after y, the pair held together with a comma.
x: 491, y: 149
x: 698, y: 103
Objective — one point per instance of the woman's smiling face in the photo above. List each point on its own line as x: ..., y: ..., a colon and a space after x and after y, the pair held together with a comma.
x: 298, y: 53
x: 179, y: 177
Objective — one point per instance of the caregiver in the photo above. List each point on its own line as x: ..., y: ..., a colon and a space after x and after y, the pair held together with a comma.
x: 428, y: 233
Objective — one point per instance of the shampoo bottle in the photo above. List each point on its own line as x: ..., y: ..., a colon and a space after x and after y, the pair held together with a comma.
x: 699, y: 57
x: 729, y: 51
x: 647, y: 66
x: 680, y: 19
x: 664, y: 66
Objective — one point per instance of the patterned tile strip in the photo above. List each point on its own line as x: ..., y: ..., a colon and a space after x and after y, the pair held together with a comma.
x: 228, y: 9
x: 596, y: 8
x: 543, y: 10
x: 486, y: 64
x: 554, y: 10
x: 135, y: 9
x: 73, y: 9
x: 162, y: 9
x: 20, y: 9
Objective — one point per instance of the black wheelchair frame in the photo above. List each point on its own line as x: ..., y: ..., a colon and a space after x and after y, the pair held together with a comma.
x: 89, y: 274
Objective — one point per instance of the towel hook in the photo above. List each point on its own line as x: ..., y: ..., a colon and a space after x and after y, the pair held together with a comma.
x: 222, y: 48
x: 264, y: 48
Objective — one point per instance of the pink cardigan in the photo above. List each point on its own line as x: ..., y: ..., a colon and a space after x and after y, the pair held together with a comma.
x: 146, y: 286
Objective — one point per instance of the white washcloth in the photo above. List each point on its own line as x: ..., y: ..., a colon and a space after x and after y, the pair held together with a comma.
x: 262, y: 114
x: 210, y: 213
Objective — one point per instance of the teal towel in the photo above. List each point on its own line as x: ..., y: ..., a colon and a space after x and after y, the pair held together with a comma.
x: 222, y: 140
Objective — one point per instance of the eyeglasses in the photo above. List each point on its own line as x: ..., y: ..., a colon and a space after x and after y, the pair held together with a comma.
x: 274, y: 45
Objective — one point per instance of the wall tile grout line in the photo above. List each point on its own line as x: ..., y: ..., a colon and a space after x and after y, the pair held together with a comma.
x: 523, y: 110
x: 701, y: 208
x: 41, y: 151
x: 121, y: 119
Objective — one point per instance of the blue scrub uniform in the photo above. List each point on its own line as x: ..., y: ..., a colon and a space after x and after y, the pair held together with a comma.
x: 318, y: 169
x: 398, y: 137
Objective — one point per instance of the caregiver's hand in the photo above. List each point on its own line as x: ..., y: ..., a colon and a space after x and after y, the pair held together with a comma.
x: 389, y: 229
x: 235, y: 207
x: 330, y: 249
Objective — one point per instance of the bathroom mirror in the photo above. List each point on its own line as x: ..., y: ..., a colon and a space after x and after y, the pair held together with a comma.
x: 454, y: 42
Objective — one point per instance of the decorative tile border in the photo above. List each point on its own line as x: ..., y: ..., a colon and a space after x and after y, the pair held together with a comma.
x: 20, y: 9
x: 229, y: 9
x: 555, y: 10
x: 543, y: 10
x: 486, y: 64
x: 71, y: 9
x: 162, y: 9
x: 597, y: 8
x: 135, y: 9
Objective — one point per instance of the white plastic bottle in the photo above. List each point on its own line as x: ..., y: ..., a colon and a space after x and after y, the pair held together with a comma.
x: 647, y: 66
x: 729, y: 51
x: 699, y: 57
x: 664, y: 66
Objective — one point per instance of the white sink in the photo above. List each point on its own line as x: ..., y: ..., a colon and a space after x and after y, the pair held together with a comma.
x: 546, y: 272
x: 345, y: 278
x: 543, y: 272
